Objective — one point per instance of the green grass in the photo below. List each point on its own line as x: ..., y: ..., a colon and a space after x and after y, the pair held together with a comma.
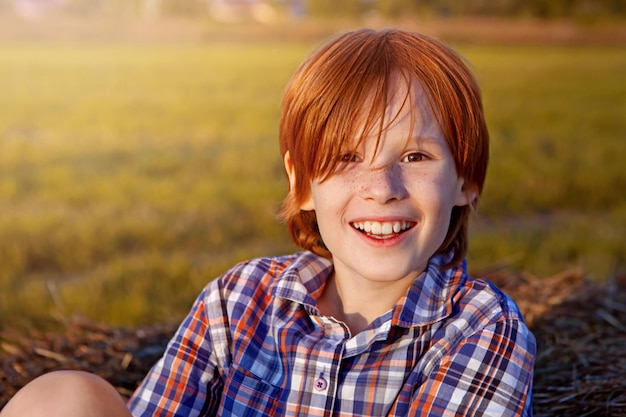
x: 554, y: 197
x: 130, y: 175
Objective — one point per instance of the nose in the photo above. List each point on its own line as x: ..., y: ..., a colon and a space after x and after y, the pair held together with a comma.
x: 384, y: 184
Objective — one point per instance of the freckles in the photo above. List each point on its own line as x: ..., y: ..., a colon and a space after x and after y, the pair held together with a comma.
x: 362, y: 182
x: 355, y: 181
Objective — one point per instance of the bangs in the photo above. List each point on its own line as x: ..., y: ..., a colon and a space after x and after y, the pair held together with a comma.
x: 347, y: 126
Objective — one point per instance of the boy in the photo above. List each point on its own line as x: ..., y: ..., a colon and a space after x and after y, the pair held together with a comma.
x: 385, y: 148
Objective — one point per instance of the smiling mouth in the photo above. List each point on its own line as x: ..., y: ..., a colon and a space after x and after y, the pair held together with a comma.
x: 382, y: 230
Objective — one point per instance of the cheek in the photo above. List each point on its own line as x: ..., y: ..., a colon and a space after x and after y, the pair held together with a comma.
x: 322, y: 194
x: 339, y: 185
x: 358, y: 182
x: 448, y: 182
x: 441, y: 192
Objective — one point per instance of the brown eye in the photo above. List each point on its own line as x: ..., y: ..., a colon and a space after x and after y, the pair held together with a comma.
x: 414, y: 157
x: 349, y: 157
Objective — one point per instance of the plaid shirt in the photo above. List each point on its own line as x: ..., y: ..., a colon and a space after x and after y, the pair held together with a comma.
x: 255, y: 344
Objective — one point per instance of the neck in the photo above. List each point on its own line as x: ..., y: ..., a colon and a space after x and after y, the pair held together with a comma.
x: 358, y: 304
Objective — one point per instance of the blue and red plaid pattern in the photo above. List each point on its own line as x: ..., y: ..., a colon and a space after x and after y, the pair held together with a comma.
x: 255, y: 344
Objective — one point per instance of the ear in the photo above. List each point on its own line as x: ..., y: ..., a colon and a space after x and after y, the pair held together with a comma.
x: 291, y: 173
x: 306, y: 205
x: 466, y: 194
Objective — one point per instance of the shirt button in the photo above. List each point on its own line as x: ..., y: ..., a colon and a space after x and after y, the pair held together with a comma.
x: 320, y: 383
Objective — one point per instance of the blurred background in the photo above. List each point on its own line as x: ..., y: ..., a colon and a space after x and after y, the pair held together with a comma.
x: 139, y: 155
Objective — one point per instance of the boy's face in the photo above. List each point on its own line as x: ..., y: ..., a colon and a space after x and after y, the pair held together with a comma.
x: 388, y: 210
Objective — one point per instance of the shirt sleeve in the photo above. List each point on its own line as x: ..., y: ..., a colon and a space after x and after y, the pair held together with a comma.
x: 487, y: 374
x: 186, y: 381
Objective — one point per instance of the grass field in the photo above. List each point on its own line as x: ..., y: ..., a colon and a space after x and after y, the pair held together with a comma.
x: 132, y: 174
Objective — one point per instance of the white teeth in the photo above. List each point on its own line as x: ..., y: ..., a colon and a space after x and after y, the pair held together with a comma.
x: 382, y: 228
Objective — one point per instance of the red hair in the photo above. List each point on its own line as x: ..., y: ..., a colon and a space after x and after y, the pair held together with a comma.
x: 350, y: 81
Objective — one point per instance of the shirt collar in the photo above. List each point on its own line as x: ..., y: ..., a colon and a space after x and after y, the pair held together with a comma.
x: 428, y: 299
x: 303, y: 280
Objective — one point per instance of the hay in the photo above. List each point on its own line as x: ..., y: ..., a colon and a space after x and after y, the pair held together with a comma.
x: 121, y: 356
x: 580, y: 328
x: 581, y: 365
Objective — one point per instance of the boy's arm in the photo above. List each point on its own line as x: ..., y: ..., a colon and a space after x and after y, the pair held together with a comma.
x: 488, y: 374
x: 186, y: 380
